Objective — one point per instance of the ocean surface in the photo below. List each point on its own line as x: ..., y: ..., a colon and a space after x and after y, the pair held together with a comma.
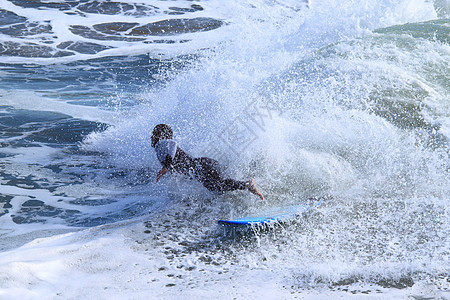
x: 346, y: 101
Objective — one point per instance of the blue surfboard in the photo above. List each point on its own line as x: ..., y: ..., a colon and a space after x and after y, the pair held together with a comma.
x: 274, y: 215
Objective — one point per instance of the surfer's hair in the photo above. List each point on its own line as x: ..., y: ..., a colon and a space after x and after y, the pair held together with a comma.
x: 161, y: 132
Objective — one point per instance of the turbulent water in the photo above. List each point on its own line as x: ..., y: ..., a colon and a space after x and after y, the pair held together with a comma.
x: 347, y: 101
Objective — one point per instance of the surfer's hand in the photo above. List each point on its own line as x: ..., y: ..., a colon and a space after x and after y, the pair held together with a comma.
x: 161, y: 173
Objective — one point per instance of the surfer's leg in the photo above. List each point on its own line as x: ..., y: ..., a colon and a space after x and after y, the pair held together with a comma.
x: 226, y: 185
x: 211, y: 177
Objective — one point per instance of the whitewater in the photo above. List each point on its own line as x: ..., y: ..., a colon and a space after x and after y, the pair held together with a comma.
x: 344, y: 101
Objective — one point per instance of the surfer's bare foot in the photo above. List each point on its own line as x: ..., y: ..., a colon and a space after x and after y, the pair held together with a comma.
x: 251, y: 186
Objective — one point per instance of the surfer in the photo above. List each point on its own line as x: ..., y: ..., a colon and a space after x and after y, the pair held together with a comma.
x: 204, y: 169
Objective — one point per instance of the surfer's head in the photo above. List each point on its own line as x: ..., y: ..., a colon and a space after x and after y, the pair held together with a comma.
x: 161, y: 132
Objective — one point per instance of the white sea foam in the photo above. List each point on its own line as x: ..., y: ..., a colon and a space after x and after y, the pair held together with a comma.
x: 107, y: 263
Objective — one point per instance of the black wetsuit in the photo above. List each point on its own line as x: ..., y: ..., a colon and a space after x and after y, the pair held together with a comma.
x: 204, y: 169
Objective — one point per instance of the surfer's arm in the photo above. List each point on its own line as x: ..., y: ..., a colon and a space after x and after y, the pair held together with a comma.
x: 167, y: 164
x: 161, y: 173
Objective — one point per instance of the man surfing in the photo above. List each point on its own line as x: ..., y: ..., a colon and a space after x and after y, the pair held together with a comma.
x: 204, y: 169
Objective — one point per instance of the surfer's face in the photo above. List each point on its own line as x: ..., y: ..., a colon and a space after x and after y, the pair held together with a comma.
x: 161, y: 132
x: 155, y: 139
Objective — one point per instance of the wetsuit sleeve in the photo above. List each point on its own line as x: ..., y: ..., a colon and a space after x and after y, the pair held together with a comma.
x: 167, y: 163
